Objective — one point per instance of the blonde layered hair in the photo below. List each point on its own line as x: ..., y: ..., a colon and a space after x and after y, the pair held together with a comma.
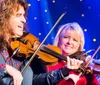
x: 7, y: 8
x: 70, y: 26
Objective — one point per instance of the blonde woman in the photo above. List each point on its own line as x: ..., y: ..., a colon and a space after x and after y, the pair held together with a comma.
x: 70, y: 39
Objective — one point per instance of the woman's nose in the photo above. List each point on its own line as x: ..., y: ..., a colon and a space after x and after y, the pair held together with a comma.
x: 69, y: 41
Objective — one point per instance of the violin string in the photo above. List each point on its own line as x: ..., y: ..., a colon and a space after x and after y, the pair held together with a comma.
x: 43, y: 42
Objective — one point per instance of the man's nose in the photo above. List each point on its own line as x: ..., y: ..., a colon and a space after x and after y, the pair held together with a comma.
x: 23, y: 19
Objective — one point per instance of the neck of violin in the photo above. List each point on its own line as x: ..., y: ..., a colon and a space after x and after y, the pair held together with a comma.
x: 53, y: 53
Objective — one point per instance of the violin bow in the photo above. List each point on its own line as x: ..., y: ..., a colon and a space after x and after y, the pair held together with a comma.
x: 15, y: 51
x: 91, y: 59
x: 62, y: 15
x: 93, y: 56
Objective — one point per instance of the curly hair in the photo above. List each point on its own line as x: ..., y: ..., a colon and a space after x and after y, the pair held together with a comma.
x: 7, y: 7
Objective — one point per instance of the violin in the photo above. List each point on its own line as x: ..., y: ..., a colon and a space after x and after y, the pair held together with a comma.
x: 29, y: 43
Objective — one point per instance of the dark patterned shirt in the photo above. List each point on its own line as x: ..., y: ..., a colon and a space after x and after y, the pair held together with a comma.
x: 6, y: 59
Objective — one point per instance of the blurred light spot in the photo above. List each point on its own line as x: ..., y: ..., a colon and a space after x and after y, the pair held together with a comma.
x: 82, y: 15
x: 39, y: 33
x: 38, y: 0
x: 84, y: 49
x: 94, y: 40
x: 29, y: 4
x: 45, y: 10
x: 80, y: 0
x: 35, y: 18
x: 47, y: 22
x: 52, y: 37
x: 53, y: 1
x: 89, y: 7
x: 85, y: 30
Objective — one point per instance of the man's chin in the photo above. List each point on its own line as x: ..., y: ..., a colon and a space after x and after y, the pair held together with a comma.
x: 19, y: 35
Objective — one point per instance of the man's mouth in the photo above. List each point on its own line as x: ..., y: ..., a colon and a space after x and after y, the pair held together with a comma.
x: 20, y: 26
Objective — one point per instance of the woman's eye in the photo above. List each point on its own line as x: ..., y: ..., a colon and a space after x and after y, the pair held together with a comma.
x: 65, y: 37
x: 75, y: 40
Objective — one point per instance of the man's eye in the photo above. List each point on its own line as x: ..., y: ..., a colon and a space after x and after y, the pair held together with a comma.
x: 18, y: 15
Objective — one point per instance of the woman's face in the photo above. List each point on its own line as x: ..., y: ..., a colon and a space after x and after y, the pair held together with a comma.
x: 69, y: 42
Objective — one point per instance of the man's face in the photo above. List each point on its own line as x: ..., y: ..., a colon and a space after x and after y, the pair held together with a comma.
x: 17, y: 21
